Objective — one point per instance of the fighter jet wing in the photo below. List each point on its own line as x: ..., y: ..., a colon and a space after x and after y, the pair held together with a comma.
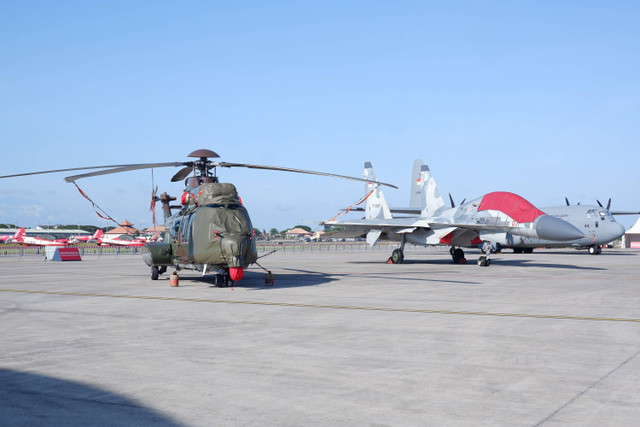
x: 398, y: 210
x: 410, y: 224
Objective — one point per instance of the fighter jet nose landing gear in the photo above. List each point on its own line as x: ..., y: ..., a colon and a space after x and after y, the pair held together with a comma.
x: 487, y: 248
x: 484, y: 261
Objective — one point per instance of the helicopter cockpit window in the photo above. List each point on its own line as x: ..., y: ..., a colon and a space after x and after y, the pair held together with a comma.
x: 185, y: 225
x: 190, y: 227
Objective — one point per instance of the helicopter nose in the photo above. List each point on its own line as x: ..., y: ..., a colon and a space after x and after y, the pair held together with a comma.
x: 551, y: 228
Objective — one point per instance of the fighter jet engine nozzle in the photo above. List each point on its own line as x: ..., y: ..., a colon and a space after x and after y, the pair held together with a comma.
x: 551, y: 228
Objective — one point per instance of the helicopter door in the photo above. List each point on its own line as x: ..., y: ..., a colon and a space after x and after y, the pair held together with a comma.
x: 189, y: 236
x: 184, y: 247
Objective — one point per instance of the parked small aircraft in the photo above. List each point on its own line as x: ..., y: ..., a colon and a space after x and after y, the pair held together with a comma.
x: 21, y: 238
x: 122, y: 240
x: 83, y: 238
x: 467, y: 225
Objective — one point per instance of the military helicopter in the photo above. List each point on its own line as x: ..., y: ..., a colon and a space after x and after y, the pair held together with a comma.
x: 211, y: 230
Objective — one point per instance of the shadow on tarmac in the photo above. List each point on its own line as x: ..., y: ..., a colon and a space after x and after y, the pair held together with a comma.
x: 496, y: 260
x: 39, y: 400
x: 313, y: 278
x: 532, y: 263
x: 256, y: 279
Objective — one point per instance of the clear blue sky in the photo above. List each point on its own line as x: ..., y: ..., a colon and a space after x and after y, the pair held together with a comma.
x: 538, y: 98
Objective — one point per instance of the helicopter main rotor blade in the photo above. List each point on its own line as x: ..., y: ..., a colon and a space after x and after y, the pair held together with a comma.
x: 182, y: 174
x: 126, y: 168
x: 63, y: 170
x: 283, y: 169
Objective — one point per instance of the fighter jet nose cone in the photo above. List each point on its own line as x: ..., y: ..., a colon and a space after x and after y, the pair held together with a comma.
x: 551, y: 228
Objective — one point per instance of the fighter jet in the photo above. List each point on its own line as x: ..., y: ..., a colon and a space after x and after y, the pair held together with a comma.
x: 468, y: 225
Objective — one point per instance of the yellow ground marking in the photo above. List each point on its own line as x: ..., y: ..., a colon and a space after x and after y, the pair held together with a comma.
x: 326, y: 306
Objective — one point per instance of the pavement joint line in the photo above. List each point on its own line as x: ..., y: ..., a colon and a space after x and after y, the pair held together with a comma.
x: 326, y: 306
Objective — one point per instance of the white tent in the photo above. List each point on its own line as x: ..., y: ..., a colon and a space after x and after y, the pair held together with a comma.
x: 631, y: 238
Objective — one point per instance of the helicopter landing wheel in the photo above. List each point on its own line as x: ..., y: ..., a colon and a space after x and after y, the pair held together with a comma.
x: 155, y: 272
x: 162, y: 269
x: 221, y: 280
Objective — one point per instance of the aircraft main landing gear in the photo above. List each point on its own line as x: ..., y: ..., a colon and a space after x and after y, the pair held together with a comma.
x: 457, y: 255
x: 595, y: 250
x: 397, y: 256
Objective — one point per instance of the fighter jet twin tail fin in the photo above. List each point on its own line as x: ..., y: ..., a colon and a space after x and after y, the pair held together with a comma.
x: 376, y: 207
x: 424, y: 191
x: 425, y: 199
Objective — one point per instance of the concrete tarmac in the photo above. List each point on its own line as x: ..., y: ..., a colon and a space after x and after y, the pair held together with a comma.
x: 549, y: 338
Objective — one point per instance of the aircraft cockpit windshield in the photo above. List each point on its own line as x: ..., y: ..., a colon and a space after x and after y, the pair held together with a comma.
x: 605, y: 214
x: 601, y: 214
